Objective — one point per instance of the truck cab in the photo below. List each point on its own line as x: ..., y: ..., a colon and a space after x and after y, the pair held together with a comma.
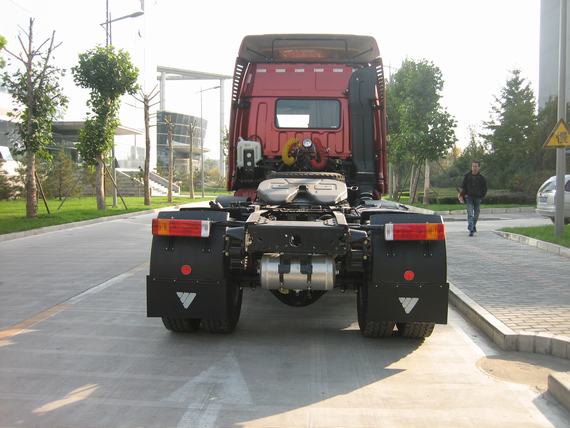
x: 308, y: 103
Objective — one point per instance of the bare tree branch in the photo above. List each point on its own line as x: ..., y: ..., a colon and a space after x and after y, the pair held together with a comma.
x: 23, y: 47
x: 39, y: 48
x: 16, y: 56
x: 41, y: 76
x: 152, y: 93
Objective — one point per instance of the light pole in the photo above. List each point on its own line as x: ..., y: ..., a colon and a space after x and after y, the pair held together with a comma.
x: 108, y: 42
x: 201, y: 91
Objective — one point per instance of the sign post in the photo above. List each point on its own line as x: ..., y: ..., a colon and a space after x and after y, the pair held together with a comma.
x: 560, y: 151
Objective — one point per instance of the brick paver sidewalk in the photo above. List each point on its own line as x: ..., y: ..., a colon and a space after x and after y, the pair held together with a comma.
x: 526, y: 288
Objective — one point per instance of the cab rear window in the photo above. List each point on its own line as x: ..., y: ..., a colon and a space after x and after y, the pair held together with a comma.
x: 307, y: 114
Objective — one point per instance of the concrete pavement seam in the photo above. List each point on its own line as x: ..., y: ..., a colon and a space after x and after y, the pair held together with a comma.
x: 509, y: 340
x: 546, y: 246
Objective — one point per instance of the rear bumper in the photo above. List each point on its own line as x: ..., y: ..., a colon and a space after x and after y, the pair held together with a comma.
x: 551, y: 212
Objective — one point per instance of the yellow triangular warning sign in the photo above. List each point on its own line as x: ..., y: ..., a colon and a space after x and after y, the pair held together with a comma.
x: 560, y: 136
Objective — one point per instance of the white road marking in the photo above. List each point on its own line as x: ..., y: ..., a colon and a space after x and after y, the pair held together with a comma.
x: 220, y: 384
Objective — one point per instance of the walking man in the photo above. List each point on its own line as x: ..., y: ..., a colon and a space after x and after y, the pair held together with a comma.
x: 473, y: 189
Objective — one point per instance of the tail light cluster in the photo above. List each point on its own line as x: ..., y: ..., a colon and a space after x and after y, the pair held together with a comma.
x: 178, y: 227
x: 414, y: 232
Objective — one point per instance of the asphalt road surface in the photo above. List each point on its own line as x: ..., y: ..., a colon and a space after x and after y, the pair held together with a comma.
x: 76, y: 350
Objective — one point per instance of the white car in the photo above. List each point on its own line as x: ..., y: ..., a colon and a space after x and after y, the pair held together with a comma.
x: 545, y: 199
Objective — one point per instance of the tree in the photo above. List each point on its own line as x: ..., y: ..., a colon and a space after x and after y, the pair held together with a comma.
x: 420, y: 129
x: 146, y: 100
x: 6, y: 186
x: 62, y: 177
x: 108, y: 74
x: 39, y: 100
x: 510, y: 133
x: 2, y: 44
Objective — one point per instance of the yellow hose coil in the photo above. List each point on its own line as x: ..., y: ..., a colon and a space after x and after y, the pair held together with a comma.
x: 285, y: 156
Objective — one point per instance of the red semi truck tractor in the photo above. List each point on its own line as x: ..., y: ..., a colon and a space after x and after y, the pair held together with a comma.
x: 307, y: 167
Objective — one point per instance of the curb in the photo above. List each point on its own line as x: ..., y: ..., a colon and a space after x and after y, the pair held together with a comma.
x: 490, y: 211
x: 41, y: 230
x: 503, y: 336
x: 559, y: 387
x: 546, y: 246
x: 509, y: 340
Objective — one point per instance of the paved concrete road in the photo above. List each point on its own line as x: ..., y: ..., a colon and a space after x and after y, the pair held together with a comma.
x: 95, y: 360
x: 38, y: 272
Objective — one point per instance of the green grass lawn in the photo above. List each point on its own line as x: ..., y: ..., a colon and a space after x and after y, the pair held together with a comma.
x: 13, y: 213
x: 543, y: 233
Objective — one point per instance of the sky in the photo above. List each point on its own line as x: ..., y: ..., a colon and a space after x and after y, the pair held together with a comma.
x: 475, y: 43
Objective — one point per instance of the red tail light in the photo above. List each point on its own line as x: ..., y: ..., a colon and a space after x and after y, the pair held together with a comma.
x: 414, y: 232
x: 177, y: 227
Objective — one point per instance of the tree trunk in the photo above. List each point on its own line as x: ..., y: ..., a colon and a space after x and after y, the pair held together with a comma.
x: 426, y: 184
x: 31, y: 187
x: 414, y: 181
x: 396, y: 182
x: 147, y: 200
x: 390, y: 182
x: 411, y: 184
x: 100, y: 184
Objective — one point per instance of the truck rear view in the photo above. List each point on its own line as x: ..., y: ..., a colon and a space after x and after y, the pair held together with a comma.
x: 307, y: 167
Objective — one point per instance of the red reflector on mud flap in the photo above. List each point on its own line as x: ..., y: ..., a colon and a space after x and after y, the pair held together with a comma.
x: 186, y: 269
x: 178, y: 227
x: 414, y: 232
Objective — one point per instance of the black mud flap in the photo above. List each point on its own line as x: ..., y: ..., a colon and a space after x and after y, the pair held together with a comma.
x: 202, y: 292
x: 408, y: 303
x: 392, y: 297
x: 186, y: 299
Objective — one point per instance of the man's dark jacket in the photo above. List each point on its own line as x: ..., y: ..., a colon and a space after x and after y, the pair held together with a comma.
x: 474, y: 185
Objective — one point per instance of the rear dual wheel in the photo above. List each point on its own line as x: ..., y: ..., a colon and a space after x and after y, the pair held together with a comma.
x: 181, y: 325
x: 415, y: 330
x: 375, y: 329
x: 232, y: 312
x: 219, y: 326
x: 370, y: 328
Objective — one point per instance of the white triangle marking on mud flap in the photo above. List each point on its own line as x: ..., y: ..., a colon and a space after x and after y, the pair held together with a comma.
x: 186, y: 298
x: 408, y: 303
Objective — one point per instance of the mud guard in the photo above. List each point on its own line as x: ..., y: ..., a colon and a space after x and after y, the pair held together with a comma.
x: 203, y: 292
x: 393, y: 298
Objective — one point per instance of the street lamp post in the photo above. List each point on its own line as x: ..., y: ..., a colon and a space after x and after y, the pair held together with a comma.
x: 201, y: 91
x: 108, y: 42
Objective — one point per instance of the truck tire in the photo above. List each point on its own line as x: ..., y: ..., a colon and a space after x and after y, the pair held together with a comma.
x: 369, y: 328
x: 307, y: 174
x: 233, y: 310
x: 298, y: 300
x: 415, y: 330
x: 181, y: 325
